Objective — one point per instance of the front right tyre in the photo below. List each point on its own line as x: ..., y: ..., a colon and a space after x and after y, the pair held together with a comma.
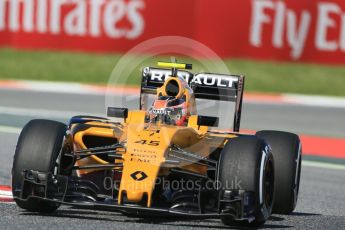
x: 287, y: 153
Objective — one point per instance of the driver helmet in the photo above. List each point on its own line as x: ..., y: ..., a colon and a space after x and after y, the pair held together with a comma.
x: 169, y: 110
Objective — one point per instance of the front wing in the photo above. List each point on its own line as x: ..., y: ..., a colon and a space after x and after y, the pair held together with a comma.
x: 74, y: 191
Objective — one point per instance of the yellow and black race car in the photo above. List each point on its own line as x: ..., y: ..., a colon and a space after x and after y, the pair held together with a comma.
x: 165, y: 158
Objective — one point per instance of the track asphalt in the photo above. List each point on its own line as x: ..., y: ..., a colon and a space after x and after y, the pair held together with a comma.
x: 321, y: 202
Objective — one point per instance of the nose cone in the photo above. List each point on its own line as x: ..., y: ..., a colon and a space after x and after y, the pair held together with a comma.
x: 142, y: 162
x: 135, y: 196
x: 144, y: 156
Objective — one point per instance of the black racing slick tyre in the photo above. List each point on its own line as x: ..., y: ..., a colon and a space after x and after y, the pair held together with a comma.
x: 247, y: 162
x: 287, y: 153
x: 38, y: 148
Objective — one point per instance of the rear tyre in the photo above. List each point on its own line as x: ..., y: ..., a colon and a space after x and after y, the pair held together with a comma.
x: 247, y: 159
x: 38, y: 148
x: 287, y: 153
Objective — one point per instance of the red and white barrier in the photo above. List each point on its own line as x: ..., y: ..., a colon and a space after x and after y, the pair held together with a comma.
x: 6, y: 193
x: 290, y: 30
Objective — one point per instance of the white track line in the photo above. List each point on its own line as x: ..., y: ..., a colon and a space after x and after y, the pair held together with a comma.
x: 42, y: 112
x: 58, y: 87
x: 89, y: 89
x: 10, y: 129
x: 322, y: 101
x: 324, y: 165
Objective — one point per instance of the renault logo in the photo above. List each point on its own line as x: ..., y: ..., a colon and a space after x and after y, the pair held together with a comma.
x: 139, y: 176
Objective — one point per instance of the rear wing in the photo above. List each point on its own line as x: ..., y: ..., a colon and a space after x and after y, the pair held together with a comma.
x: 205, y: 86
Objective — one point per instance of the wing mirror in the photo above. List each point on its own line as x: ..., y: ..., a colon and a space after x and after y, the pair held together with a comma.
x: 208, y: 121
x: 117, y: 112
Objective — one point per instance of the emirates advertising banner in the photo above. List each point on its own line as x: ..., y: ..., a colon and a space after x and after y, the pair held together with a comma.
x: 290, y: 30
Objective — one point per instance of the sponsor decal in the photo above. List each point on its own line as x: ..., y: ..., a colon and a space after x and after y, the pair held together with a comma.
x: 214, y: 80
x: 205, y: 79
x: 320, y: 22
x: 143, y: 156
x: 161, y: 111
x: 139, y: 176
x: 161, y: 75
x: 147, y: 142
x: 95, y: 18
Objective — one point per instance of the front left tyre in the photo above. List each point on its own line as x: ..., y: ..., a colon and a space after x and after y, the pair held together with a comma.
x: 248, y: 161
x: 38, y: 148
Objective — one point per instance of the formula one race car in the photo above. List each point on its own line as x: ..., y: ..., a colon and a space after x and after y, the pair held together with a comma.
x: 165, y: 158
